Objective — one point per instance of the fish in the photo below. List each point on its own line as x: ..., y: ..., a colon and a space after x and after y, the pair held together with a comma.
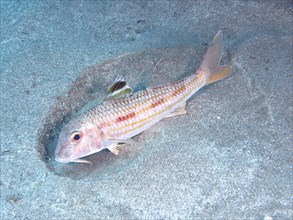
x: 123, y: 114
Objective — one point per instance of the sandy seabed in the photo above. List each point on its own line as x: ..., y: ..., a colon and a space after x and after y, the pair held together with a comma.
x: 229, y: 157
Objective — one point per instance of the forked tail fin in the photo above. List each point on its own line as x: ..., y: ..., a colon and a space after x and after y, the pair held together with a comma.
x: 212, y: 59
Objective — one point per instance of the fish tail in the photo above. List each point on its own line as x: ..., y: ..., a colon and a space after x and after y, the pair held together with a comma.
x: 212, y: 59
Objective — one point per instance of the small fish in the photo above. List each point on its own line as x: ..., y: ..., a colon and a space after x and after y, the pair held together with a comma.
x: 112, y: 123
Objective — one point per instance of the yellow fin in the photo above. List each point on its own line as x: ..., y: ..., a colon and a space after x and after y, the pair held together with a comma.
x: 211, y: 61
x: 178, y: 111
x: 219, y: 73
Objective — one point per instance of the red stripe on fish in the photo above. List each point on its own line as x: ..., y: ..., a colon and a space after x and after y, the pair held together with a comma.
x: 178, y: 91
x: 125, y: 117
x: 155, y: 104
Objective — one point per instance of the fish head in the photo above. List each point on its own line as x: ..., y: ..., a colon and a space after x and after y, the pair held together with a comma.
x: 77, y: 140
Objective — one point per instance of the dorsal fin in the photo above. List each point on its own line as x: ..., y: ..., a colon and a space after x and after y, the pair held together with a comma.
x: 118, y: 88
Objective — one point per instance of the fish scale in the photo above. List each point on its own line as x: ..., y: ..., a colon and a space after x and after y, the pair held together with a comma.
x: 143, y: 106
x: 118, y: 119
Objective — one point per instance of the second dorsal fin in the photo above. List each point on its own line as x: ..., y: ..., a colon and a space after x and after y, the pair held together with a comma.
x: 180, y: 110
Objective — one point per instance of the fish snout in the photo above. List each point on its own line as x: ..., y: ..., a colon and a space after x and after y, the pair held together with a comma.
x: 62, y: 155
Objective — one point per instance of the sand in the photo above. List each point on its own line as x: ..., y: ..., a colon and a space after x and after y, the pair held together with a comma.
x: 229, y: 157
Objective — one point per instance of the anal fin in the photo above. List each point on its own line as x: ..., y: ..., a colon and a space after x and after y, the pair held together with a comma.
x: 178, y: 111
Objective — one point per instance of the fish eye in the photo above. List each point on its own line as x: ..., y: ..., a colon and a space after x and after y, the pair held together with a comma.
x: 75, y: 136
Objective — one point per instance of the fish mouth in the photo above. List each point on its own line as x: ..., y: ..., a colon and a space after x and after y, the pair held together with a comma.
x: 69, y: 160
x: 61, y: 154
x: 60, y: 160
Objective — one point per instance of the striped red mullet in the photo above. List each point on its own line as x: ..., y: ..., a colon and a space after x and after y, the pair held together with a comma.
x: 118, y: 119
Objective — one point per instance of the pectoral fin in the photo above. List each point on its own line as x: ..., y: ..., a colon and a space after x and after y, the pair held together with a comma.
x: 118, y: 89
x: 115, y: 145
x: 178, y: 111
x: 115, y: 149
